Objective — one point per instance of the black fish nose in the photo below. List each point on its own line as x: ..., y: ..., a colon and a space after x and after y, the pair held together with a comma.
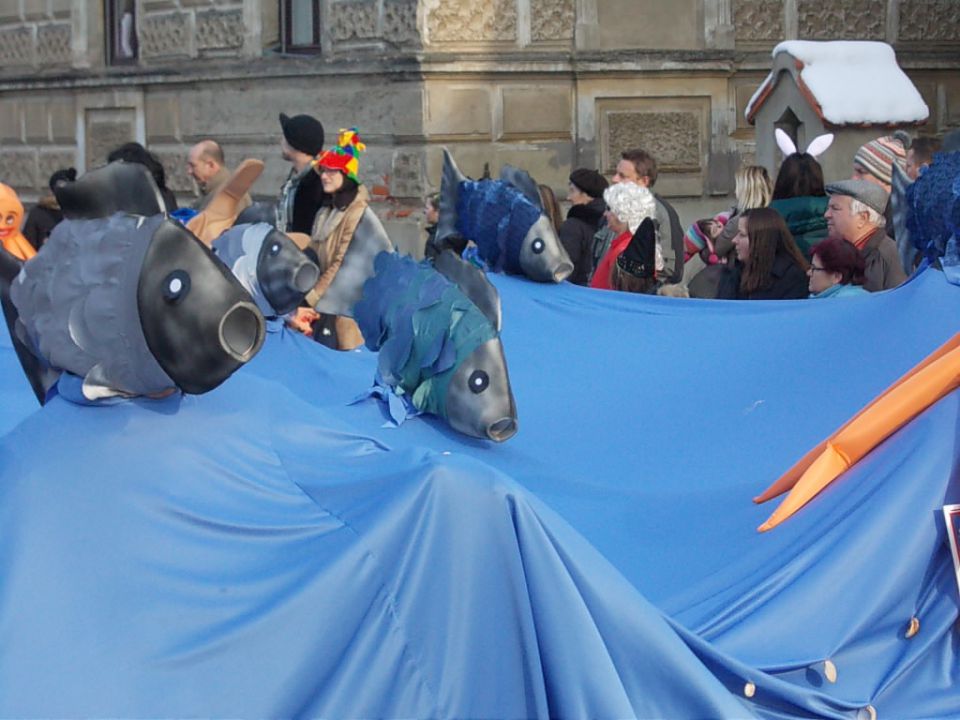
x: 502, y: 429
x: 305, y: 277
x: 562, y: 272
x: 241, y: 331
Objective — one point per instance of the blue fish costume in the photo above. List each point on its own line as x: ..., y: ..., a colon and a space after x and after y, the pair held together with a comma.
x: 506, y: 221
x: 439, y: 349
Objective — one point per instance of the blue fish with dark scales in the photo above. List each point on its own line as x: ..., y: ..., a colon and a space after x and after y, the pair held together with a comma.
x: 505, y: 219
x: 437, y: 329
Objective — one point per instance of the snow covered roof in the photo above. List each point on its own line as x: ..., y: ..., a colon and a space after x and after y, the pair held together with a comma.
x: 846, y: 82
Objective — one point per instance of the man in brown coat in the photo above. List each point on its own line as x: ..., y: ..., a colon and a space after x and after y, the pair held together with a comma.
x: 855, y: 213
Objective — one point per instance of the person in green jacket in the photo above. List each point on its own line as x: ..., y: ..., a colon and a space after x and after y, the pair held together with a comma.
x: 800, y: 198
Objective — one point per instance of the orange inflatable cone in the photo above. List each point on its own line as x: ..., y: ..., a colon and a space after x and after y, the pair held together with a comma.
x: 920, y: 388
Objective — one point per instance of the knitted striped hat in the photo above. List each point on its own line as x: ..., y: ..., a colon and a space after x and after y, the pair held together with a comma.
x: 878, y: 156
x: 345, y: 156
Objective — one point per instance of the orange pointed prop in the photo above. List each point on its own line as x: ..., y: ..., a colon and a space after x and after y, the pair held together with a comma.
x: 222, y: 210
x: 920, y: 388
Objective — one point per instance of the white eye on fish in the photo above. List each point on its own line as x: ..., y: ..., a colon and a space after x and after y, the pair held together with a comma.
x: 176, y: 286
x: 479, y: 381
x: 275, y: 249
x: 538, y: 246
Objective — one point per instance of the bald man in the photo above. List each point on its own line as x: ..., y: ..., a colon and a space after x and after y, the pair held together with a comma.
x: 205, y: 164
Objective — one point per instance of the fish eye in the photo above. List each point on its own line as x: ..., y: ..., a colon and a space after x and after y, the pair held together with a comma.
x: 176, y: 286
x: 275, y: 249
x: 537, y: 246
x: 479, y: 381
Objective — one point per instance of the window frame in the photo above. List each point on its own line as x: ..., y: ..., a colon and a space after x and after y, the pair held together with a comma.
x: 286, y: 31
x: 111, y: 36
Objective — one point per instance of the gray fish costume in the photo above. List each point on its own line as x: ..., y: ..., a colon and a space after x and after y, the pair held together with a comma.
x: 506, y: 221
x: 437, y: 330
x: 134, y: 306
x: 268, y: 265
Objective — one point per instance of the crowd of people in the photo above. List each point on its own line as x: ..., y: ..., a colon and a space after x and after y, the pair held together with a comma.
x: 789, y: 237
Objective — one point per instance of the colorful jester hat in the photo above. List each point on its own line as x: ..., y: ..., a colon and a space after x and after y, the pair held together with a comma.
x: 345, y: 155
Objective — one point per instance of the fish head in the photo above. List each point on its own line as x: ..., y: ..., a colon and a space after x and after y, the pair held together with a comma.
x: 198, y: 321
x: 285, y: 274
x: 542, y: 256
x: 479, y: 399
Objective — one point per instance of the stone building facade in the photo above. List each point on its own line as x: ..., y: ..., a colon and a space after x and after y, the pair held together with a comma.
x: 543, y: 84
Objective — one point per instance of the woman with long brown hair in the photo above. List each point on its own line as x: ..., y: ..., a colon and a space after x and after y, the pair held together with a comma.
x: 769, y: 265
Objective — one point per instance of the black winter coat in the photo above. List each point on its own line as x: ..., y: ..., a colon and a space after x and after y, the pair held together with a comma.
x: 790, y: 282
x: 576, y: 234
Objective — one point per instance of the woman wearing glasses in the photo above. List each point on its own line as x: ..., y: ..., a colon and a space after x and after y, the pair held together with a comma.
x: 836, y: 270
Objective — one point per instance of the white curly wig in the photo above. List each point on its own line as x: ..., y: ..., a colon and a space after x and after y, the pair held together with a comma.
x: 631, y: 203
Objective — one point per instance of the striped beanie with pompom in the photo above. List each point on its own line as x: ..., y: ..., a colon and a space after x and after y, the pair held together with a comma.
x: 878, y: 156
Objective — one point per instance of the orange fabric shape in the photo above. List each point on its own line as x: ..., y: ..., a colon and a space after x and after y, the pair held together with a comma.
x: 221, y: 212
x: 937, y: 375
x: 11, y: 218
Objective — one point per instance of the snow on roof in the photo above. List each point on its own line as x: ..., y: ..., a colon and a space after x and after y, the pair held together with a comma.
x: 852, y: 82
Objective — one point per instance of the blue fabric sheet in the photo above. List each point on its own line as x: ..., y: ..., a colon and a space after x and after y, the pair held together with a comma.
x: 269, y: 549
x: 16, y: 397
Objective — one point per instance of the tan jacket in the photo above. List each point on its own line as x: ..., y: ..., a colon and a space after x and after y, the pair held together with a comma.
x: 333, y: 230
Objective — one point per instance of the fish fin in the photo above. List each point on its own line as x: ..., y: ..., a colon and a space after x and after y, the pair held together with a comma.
x: 449, y: 194
x: 117, y: 187
x: 369, y: 240
x: 521, y: 180
x: 473, y: 283
x: 41, y: 377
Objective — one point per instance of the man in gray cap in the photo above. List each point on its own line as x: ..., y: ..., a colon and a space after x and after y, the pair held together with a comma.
x: 855, y: 213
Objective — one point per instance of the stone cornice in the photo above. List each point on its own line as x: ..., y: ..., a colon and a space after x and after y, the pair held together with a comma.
x: 435, y: 65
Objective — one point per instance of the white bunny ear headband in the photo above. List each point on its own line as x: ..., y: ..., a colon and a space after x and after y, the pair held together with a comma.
x: 816, y: 148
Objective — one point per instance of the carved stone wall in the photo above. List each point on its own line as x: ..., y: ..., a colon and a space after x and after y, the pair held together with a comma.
x: 353, y: 21
x: 930, y: 20
x: 219, y: 29
x: 400, y: 21
x: 758, y: 20
x: 165, y: 35
x: 53, y: 44
x: 842, y: 19
x: 552, y: 19
x: 19, y: 168
x: 49, y: 162
x: 16, y: 46
x: 671, y: 137
x: 472, y: 21
x: 408, y: 174
x: 174, y: 165
x: 106, y: 129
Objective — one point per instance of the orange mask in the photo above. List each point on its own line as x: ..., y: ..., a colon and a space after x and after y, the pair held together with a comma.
x: 11, y: 216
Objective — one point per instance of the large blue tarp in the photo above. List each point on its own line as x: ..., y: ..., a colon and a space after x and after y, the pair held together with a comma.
x: 270, y: 549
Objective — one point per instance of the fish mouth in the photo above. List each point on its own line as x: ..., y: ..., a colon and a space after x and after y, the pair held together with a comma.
x: 305, y: 277
x: 502, y: 429
x: 562, y: 272
x: 241, y: 331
